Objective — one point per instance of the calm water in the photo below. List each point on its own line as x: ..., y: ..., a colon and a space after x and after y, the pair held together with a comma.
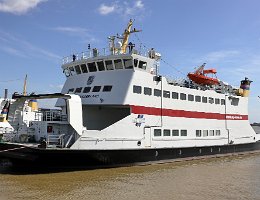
x: 236, y: 177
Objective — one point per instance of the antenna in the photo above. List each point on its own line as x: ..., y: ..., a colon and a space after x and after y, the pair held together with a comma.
x: 25, y: 85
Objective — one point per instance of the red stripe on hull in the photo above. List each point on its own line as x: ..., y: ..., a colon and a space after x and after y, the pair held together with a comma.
x: 185, y: 114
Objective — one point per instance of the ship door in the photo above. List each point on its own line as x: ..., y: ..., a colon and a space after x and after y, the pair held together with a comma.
x: 147, y: 136
x: 228, y: 123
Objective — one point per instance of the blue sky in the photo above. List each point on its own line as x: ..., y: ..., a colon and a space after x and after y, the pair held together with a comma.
x: 36, y: 34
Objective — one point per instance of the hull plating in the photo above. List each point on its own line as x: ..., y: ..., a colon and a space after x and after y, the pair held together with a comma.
x: 24, y: 155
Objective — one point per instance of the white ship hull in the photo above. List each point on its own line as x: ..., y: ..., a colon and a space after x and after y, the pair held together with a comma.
x: 117, y: 109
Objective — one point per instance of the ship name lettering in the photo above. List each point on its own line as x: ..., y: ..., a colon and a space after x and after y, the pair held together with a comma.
x: 89, y: 96
x: 233, y: 117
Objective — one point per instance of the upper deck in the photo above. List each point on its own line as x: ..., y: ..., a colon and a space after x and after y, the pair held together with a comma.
x: 93, y: 61
x: 122, y: 56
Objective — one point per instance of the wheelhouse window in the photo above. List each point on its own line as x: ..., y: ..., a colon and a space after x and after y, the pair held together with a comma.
x: 118, y: 64
x: 71, y: 90
x: 198, y: 98
x: 96, y: 89
x: 92, y: 67
x: 190, y: 97
x: 157, y: 132
x: 217, y: 132
x: 157, y: 93
x: 175, y: 132
x: 77, y: 69
x: 175, y: 95
x: 166, y: 94
x: 142, y: 65
x: 137, y: 89
x: 72, y: 71
x: 135, y: 62
x: 100, y: 65
x: 198, y: 133
x: 184, y: 133
x: 217, y: 101
x: 183, y: 96
x: 66, y: 72
x: 128, y: 63
x: 86, y: 89
x: 107, y: 88
x: 166, y: 132
x: 109, y: 65
x: 84, y: 68
x: 204, y: 99
x: 147, y: 91
x: 78, y: 90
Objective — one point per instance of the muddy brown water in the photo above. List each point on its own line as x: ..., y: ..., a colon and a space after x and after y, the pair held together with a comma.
x: 233, y: 177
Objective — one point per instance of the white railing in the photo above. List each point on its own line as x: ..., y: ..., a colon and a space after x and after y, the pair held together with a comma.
x: 99, y: 52
x: 54, y: 116
x: 56, y: 140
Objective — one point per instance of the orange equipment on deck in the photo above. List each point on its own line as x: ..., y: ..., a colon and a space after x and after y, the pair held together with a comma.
x: 199, y: 76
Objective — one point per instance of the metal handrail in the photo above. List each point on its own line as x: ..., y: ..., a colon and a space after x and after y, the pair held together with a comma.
x: 100, y: 52
x: 58, y: 139
x: 54, y: 116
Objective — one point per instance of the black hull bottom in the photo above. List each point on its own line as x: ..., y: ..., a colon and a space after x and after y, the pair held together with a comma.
x: 24, y: 155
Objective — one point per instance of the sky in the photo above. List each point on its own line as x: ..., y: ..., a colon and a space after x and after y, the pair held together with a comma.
x: 36, y: 34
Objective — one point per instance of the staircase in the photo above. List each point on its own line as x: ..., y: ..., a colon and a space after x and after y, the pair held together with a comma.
x: 55, y: 140
x: 14, y: 113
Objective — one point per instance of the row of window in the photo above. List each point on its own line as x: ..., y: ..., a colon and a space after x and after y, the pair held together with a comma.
x: 183, y: 132
x: 168, y: 132
x: 103, y: 65
x: 175, y: 95
x: 106, y: 88
x: 205, y: 133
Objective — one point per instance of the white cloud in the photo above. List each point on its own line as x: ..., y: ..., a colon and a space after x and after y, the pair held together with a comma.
x: 75, y: 31
x: 125, y: 9
x: 18, y: 47
x: 13, y: 51
x: 78, y: 32
x: 139, y: 4
x: 104, y: 9
x: 18, y: 7
x: 220, y: 55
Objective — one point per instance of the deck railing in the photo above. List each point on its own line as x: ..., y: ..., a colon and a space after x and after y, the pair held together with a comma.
x: 99, y: 52
x: 54, y: 116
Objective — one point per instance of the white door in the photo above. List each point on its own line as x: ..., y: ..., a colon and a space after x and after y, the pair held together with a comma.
x: 147, y: 136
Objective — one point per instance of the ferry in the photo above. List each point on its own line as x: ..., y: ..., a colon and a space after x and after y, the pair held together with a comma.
x: 116, y: 109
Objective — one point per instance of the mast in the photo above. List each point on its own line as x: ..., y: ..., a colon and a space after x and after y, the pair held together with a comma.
x: 25, y: 85
x: 126, y: 35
